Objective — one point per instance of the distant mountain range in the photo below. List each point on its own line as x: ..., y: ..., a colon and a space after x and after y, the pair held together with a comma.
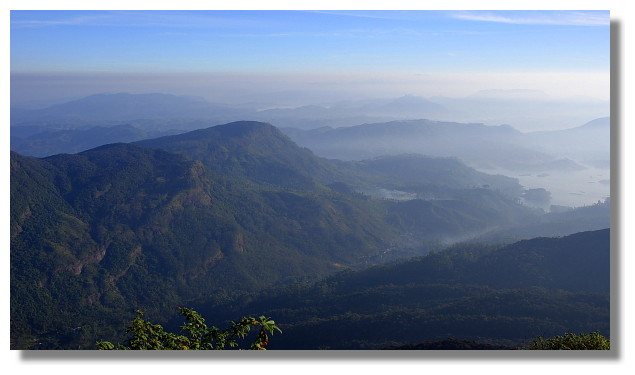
x: 336, y: 131
x: 589, y: 143
x: 42, y: 141
x: 523, y: 109
x: 106, y: 118
x: 478, y: 145
x: 121, y: 107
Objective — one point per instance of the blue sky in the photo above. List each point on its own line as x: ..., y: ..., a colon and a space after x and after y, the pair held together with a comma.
x: 286, y: 41
x: 406, y: 52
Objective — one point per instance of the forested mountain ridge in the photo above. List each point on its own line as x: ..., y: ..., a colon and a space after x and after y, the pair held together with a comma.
x: 445, y: 197
x: 122, y: 226
x: 495, y: 295
x: 264, y: 154
x: 97, y: 234
x: 426, y: 173
x: 251, y: 149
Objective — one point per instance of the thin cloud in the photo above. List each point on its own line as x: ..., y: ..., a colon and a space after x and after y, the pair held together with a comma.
x: 570, y: 18
x: 64, y: 21
x: 168, y: 19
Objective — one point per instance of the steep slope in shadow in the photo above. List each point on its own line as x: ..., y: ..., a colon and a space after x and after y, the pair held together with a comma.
x: 492, y: 295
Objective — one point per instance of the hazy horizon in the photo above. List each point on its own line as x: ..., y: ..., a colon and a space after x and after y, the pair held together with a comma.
x: 525, y: 110
x: 294, y: 58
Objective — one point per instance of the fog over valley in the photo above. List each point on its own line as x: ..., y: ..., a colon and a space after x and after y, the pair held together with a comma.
x: 572, y: 163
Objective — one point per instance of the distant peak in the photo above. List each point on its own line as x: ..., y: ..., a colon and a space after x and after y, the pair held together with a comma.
x: 598, y: 123
x: 241, y: 127
x: 138, y: 96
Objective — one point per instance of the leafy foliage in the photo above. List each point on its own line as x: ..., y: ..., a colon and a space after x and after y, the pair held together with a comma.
x: 198, y: 336
x: 572, y: 341
x: 450, y: 344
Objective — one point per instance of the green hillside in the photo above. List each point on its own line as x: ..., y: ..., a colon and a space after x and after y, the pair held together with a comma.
x: 248, y: 149
x: 123, y: 227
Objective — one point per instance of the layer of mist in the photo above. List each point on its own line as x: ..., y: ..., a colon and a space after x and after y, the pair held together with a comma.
x: 571, y: 161
x: 535, y: 112
x: 570, y: 188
